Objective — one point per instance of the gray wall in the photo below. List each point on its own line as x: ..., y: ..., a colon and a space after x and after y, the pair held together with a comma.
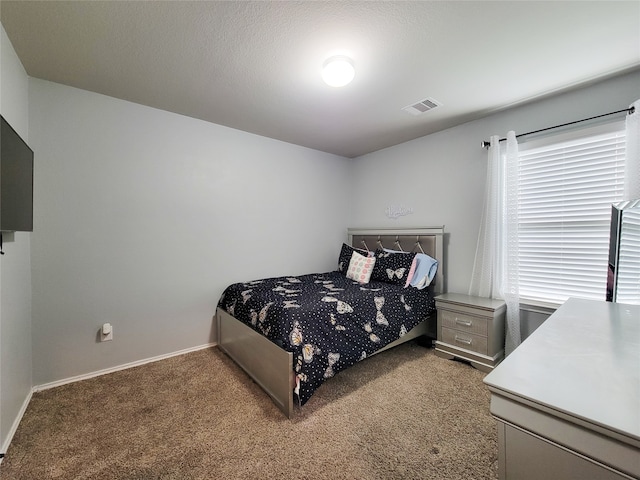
x: 15, y: 265
x: 142, y: 217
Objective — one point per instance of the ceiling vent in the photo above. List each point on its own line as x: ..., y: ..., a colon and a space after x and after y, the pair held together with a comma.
x: 422, y: 106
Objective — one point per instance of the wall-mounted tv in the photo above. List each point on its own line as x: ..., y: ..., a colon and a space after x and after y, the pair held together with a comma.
x: 16, y: 181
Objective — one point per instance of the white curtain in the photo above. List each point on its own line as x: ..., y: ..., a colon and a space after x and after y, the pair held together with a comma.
x: 632, y: 162
x: 495, y: 270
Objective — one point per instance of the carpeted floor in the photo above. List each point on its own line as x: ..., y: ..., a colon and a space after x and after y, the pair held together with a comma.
x: 403, y: 414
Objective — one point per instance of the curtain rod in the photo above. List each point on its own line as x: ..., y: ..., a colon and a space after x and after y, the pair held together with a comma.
x: 629, y: 110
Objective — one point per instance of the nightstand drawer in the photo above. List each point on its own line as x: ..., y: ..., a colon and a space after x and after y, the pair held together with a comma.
x: 464, y: 323
x: 468, y: 341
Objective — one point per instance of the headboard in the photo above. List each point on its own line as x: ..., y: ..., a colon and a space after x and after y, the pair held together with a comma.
x: 428, y: 240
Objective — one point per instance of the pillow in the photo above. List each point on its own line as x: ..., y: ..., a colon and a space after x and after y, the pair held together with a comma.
x: 426, y: 268
x: 413, y: 265
x: 412, y: 271
x: 360, y: 267
x: 392, y: 267
x: 345, y: 256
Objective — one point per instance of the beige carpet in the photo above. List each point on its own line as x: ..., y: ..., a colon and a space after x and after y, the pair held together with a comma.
x: 403, y: 414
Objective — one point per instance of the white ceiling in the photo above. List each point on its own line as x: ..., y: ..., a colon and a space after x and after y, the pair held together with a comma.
x: 255, y: 66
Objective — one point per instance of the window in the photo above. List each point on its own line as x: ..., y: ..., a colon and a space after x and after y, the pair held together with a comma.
x: 566, y: 186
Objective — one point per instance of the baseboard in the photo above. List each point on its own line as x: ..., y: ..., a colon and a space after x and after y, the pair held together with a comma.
x: 137, y: 363
x: 16, y: 422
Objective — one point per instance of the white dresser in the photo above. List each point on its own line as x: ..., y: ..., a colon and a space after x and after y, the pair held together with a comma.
x: 567, y: 400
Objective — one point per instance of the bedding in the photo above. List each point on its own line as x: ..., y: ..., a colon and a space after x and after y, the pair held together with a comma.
x: 328, y: 321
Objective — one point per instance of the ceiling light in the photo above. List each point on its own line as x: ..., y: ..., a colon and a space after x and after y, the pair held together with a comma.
x: 338, y: 71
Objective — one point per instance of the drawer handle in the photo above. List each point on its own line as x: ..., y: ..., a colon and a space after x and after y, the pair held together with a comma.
x: 465, y: 323
x: 466, y: 341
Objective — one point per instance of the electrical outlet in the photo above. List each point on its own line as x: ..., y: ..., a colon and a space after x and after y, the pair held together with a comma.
x: 106, y: 332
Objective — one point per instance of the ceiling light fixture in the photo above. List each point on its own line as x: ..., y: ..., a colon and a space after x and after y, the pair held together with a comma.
x: 338, y: 71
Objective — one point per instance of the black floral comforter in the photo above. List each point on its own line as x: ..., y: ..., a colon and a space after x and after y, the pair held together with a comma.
x: 326, y: 320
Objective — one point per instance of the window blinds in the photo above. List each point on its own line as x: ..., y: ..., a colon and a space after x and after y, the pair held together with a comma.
x: 565, y: 194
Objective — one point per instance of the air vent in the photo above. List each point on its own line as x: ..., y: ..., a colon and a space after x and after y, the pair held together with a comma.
x: 422, y: 106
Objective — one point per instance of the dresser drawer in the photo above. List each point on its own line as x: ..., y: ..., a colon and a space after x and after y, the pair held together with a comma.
x: 465, y: 340
x: 464, y: 323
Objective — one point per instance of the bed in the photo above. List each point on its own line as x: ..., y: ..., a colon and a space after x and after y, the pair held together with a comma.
x: 290, y: 334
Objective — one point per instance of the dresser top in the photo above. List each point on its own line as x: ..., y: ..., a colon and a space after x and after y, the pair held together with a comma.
x: 469, y: 301
x: 583, y: 363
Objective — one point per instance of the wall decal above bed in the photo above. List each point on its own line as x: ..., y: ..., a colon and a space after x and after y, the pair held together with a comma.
x: 396, y: 211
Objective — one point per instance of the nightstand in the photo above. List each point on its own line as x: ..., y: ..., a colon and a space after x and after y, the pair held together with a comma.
x: 471, y: 329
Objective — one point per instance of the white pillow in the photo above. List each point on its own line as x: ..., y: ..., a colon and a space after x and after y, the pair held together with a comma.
x: 360, y: 267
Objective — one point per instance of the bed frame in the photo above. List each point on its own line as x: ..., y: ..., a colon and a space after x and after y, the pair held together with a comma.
x: 271, y: 367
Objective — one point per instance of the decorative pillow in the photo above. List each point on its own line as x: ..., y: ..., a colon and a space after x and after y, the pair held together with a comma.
x: 413, y: 265
x: 392, y: 267
x: 345, y: 256
x: 360, y: 267
x: 412, y: 271
x: 426, y: 268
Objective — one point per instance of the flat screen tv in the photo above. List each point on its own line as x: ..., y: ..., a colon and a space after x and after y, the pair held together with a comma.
x: 16, y: 182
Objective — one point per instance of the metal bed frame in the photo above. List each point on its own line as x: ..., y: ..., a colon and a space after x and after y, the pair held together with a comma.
x: 271, y: 367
